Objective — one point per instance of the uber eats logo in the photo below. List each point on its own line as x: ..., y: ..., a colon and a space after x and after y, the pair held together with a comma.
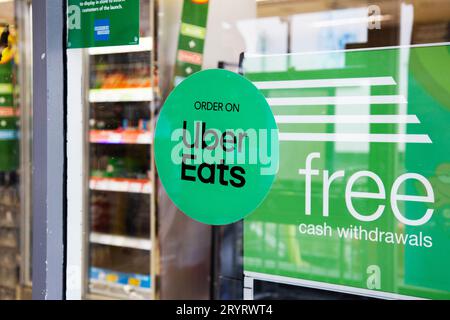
x: 216, y: 147
x: 209, y: 169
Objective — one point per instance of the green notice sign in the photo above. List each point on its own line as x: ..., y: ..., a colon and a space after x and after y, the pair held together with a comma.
x: 216, y: 147
x: 361, y: 202
x: 191, y: 40
x: 100, y: 23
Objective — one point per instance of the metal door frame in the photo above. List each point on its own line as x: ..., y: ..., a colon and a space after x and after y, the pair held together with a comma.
x: 49, y: 149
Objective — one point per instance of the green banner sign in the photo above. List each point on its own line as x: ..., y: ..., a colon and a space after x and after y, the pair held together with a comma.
x: 362, y: 198
x: 191, y: 41
x: 100, y: 23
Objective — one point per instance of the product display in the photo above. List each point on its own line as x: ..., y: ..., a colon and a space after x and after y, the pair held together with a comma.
x: 10, y: 221
x: 130, y: 77
x: 120, y: 123
x: 120, y: 179
x: 9, y: 235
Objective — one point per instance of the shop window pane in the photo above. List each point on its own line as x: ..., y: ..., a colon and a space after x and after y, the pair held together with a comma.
x: 15, y: 150
x: 282, y: 39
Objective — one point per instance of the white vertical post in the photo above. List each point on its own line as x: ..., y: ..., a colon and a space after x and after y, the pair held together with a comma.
x: 75, y: 174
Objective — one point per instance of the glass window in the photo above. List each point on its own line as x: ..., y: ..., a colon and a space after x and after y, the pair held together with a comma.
x: 137, y: 245
x: 283, y: 40
x: 15, y: 149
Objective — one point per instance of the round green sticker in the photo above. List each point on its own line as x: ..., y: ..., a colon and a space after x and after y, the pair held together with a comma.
x: 216, y: 147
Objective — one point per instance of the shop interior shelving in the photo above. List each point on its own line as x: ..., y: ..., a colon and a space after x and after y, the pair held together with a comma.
x: 120, y: 182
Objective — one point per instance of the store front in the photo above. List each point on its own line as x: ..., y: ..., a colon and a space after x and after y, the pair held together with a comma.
x: 359, y: 207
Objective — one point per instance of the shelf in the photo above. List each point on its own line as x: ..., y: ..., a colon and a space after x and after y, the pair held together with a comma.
x: 104, y: 281
x: 145, y: 44
x: 120, y: 137
x: 101, y: 290
x: 8, y: 134
x: 121, y: 185
x: 121, y: 95
x: 120, y: 241
x: 7, y: 112
x: 9, y: 226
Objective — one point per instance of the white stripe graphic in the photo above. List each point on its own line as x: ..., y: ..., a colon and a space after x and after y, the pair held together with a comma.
x: 351, y: 137
x: 347, y: 119
x: 341, y: 100
x: 284, y: 55
x: 325, y: 83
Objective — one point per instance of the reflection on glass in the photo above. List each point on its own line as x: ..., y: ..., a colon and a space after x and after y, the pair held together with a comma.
x: 360, y: 197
